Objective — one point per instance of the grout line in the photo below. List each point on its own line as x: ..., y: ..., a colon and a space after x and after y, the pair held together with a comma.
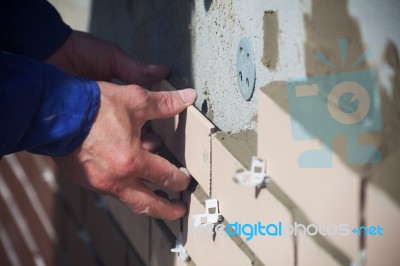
x: 201, y: 196
x: 363, y: 237
x: 245, y: 248
x: 210, y: 166
x: 295, y: 246
x: 299, y: 216
x: 363, y: 196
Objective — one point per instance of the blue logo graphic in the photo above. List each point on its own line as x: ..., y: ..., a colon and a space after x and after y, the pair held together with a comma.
x: 333, y: 105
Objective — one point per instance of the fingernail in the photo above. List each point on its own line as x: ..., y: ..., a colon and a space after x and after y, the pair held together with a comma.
x: 188, y: 95
x: 185, y: 171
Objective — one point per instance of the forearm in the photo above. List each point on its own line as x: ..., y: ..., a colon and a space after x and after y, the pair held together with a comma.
x: 42, y: 109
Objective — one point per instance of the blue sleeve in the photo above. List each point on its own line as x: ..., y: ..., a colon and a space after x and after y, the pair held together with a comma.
x: 42, y: 109
x: 31, y: 27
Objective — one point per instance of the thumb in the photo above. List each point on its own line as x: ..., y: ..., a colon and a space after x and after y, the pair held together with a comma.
x: 132, y: 72
x: 165, y: 104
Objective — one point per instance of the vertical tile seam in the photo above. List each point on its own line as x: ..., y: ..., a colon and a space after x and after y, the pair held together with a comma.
x: 362, y: 219
x: 237, y: 241
x: 299, y: 216
x: 211, y: 159
x: 295, y: 245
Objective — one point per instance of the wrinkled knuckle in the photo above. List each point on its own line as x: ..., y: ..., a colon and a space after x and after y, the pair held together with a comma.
x: 166, y: 103
x: 139, y: 95
x: 127, y: 164
x: 143, y: 93
x: 141, y: 100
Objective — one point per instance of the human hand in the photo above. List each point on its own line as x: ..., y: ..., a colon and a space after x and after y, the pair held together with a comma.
x: 89, y: 57
x: 112, y: 159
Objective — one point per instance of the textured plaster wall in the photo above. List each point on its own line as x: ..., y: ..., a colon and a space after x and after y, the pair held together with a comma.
x: 209, y: 32
x: 199, y: 40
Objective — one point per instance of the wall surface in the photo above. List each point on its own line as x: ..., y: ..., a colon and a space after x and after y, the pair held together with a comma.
x: 201, y: 41
x: 320, y: 172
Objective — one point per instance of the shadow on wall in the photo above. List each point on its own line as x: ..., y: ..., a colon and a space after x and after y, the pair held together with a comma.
x: 207, y: 4
x: 324, y: 30
x: 155, y: 31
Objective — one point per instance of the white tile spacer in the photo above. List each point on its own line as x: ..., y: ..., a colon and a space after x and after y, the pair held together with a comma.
x: 182, y: 254
x: 212, y: 215
x: 255, y: 177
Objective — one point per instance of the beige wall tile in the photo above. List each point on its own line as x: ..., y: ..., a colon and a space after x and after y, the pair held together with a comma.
x: 238, y: 203
x: 187, y: 136
x: 326, y: 195
x: 136, y: 227
x: 160, y: 248
x: 310, y: 254
x: 383, y: 209
x: 199, y: 243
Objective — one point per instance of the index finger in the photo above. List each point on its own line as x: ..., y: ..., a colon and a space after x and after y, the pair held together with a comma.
x: 164, y: 104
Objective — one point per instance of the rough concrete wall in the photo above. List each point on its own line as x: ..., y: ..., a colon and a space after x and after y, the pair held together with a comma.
x: 199, y: 40
x: 201, y: 45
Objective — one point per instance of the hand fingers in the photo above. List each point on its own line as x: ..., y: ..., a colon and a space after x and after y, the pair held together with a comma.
x: 144, y: 201
x: 132, y: 72
x: 151, y: 142
x: 161, y: 172
x: 166, y: 104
